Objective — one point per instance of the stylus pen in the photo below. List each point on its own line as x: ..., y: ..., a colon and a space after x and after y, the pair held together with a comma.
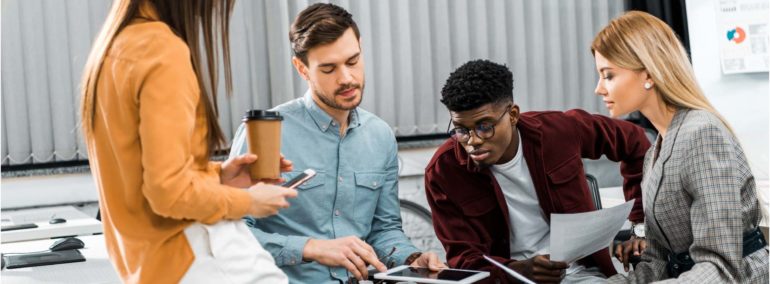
x: 510, y: 271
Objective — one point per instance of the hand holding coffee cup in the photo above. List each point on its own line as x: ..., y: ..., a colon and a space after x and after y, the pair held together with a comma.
x: 236, y: 171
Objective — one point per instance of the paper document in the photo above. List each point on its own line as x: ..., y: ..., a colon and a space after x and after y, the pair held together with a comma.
x: 574, y: 236
x: 510, y: 271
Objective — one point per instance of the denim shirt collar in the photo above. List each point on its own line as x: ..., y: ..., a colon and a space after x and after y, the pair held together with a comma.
x: 322, y: 119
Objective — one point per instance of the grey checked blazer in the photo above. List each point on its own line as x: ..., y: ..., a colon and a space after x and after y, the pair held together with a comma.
x: 699, y: 196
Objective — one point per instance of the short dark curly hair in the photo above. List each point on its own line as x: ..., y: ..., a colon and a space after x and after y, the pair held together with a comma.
x: 477, y: 83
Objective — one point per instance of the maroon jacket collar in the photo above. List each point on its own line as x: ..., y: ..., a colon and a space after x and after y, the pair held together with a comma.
x: 531, y: 139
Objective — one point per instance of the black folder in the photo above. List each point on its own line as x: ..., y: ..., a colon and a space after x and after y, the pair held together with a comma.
x: 42, y: 258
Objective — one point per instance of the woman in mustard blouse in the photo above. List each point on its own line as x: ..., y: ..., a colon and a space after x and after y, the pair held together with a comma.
x: 169, y: 214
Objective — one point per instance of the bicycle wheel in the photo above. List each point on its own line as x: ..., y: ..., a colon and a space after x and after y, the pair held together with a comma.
x: 418, y: 227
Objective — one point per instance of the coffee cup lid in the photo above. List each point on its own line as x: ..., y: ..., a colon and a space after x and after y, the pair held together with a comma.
x: 258, y: 114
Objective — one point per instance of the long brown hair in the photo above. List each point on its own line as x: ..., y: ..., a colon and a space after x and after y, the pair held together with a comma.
x: 186, y: 19
x: 641, y: 42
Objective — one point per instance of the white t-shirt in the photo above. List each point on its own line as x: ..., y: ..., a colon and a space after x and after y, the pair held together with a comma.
x: 530, y: 233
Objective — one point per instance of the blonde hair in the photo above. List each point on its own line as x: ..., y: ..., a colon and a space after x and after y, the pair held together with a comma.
x: 641, y: 42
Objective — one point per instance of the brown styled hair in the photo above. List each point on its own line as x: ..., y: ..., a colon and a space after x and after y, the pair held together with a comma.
x: 189, y: 19
x: 319, y: 24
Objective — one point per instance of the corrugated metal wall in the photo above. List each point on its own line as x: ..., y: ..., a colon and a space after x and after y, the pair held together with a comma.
x: 410, y: 47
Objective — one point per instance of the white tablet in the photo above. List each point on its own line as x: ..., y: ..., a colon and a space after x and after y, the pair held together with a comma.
x: 424, y: 275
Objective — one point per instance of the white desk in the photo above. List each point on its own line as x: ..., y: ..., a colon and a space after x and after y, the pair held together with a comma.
x: 96, y: 269
x: 77, y: 223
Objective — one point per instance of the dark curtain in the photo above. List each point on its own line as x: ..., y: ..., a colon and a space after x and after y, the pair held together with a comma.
x: 673, y: 12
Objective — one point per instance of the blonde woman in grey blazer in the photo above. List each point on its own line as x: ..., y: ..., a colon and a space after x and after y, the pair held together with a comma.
x: 700, y: 202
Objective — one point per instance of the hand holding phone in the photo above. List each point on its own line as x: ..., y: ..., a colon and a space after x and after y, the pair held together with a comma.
x: 300, y: 179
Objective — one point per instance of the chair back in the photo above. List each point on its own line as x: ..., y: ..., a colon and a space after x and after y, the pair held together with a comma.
x: 593, y: 187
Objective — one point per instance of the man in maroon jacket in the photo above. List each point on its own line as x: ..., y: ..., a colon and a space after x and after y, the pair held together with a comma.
x: 493, y: 185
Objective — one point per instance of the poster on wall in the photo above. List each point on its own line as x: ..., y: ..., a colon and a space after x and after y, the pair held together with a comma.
x: 742, y: 27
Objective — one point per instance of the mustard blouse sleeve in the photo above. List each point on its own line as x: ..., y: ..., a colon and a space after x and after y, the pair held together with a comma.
x: 168, y: 94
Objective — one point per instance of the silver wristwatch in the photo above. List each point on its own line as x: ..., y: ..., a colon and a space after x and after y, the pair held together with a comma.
x: 637, y: 230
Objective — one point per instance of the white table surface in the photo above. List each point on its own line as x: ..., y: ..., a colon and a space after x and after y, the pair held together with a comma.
x: 77, y: 223
x: 96, y: 269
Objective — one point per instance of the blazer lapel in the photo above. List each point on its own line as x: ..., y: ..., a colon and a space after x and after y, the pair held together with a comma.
x: 667, y: 146
x: 666, y: 149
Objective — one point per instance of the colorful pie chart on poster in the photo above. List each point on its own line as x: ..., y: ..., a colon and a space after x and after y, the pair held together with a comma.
x: 736, y: 35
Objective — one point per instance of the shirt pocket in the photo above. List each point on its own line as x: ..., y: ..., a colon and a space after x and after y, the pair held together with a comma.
x: 566, y: 187
x: 368, y: 185
x: 307, y: 204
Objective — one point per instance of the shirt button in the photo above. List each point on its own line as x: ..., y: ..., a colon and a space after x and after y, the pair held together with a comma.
x: 340, y: 178
x: 337, y: 212
x: 334, y: 274
x: 374, y: 183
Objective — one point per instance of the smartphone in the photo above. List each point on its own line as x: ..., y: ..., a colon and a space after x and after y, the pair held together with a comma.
x: 300, y: 179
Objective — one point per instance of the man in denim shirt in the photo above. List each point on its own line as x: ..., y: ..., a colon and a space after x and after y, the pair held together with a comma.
x: 348, y: 216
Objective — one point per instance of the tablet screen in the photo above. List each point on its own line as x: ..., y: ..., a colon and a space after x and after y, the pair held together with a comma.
x: 421, y: 272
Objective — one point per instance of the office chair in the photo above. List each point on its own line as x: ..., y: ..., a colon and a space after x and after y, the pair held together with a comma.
x: 623, y: 235
x: 417, y: 223
x: 593, y: 188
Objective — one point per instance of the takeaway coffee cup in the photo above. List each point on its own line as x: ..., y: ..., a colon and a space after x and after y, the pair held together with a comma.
x: 263, y: 134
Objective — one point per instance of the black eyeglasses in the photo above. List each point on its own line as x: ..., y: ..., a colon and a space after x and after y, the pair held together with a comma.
x: 484, y: 130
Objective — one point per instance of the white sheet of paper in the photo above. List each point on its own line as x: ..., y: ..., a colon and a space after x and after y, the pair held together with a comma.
x: 574, y: 236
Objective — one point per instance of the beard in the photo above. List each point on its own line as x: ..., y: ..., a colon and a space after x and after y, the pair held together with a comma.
x: 332, y: 102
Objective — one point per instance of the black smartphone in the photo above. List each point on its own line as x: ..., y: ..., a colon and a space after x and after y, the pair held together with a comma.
x: 300, y: 179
